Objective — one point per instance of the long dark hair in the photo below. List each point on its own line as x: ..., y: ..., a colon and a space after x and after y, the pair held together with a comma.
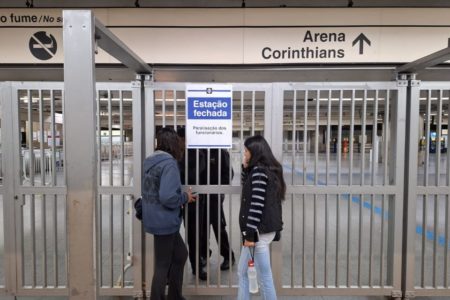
x: 262, y: 156
x: 167, y: 140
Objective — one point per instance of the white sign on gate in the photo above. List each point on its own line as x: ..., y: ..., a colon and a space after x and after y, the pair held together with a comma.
x: 209, y: 111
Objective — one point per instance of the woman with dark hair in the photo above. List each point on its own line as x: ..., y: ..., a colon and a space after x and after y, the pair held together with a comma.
x: 260, y: 217
x: 162, y: 200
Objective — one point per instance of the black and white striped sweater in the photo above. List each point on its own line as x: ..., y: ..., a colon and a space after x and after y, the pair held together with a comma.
x: 252, y: 208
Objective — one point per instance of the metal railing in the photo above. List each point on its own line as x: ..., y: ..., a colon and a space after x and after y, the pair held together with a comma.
x: 39, y: 202
x: 115, y: 212
x: 49, y: 165
x: 429, y: 224
x: 216, y: 197
x: 342, y: 203
x: 343, y: 213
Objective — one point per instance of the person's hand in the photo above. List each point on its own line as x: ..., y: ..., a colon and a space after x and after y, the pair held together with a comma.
x: 191, y: 197
x: 249, y: 244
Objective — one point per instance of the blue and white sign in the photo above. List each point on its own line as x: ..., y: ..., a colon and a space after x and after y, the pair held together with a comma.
x: 209, y: 115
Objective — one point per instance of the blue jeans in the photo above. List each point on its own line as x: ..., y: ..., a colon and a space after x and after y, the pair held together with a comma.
x: 263, y: 271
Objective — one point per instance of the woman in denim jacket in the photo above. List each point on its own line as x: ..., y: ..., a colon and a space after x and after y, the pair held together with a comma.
x: 162, y: 200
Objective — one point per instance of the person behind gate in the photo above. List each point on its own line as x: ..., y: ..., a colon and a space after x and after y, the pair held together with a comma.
x: 219, y: 173
x: 193, y: 212
x: 162, y: 200
x: 260, y: 215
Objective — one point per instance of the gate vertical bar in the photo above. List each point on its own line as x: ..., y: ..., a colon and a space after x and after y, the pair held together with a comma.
x: 338, y: 182
x: 80, y: 106
x: 410, y: 188
x: 293, y: 166
x: 122, y: 183
x: 436, y: 197
x: 327, y: 180
x: 350, y: 183
x: 139, y: 144
x: 316, y: 182
x: 385, y: 182
x: 55, y: 203
x: 447, y: 208
x: 148, y: 103
x: 44, y: 198
x: 99, y: 219
x: 18, y: 177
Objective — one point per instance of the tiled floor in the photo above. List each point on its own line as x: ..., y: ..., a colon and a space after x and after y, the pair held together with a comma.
x: 234, y: 298
x: 292, y: 237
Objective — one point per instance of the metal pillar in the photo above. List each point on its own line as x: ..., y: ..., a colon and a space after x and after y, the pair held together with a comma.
x: 397, y: 142
x: 139, y: 138
x: 274, y: 113
x: 81, y: 32
x: 9, y: 199
x: 80, y: 112
x: 410, y: 186
x: 149, y: 146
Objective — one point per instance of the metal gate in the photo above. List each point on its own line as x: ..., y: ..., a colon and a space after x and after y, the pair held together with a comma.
x: 34, y: 181
x: 427, y: 253
x: 342, y: 148
x: 33, y: 190
x: 252, y: 107
x: 365, y: 207
x: 118, y: 232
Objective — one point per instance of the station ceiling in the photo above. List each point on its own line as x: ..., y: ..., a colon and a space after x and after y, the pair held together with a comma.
x: 222, y: 3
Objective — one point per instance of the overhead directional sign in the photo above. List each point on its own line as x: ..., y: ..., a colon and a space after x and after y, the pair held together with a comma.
x: 209, y: 112
x: 240, y: 36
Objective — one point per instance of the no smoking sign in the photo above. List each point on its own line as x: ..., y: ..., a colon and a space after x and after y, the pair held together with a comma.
x: 42, y: 45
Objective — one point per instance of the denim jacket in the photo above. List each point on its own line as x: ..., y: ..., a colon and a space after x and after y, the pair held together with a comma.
x: 162, y: 197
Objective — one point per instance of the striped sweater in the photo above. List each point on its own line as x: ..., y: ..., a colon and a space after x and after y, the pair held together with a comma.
x: 254, y: 213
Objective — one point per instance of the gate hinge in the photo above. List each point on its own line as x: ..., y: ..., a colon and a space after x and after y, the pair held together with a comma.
x: 396, y: 294
x: 410, y: 295
x: 142, y: 80
x: 402, y: 83
x: 139, y: 295
x: 415, y: 82
x: 403, y: 79
x: 136, y: 84
x: 148, y: 83
x: 20, y: 200
x: 145, y: 77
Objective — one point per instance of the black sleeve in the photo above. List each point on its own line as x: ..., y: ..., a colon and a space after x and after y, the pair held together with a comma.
x: 225, y: 169
x: 138, y: 208
x: 192, y: 166
x: 244, y: 174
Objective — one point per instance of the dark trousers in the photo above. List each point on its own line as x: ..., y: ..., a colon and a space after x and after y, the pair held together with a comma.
x: 216, y: 220
x: 170, y: 257
x: 194, y: 209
